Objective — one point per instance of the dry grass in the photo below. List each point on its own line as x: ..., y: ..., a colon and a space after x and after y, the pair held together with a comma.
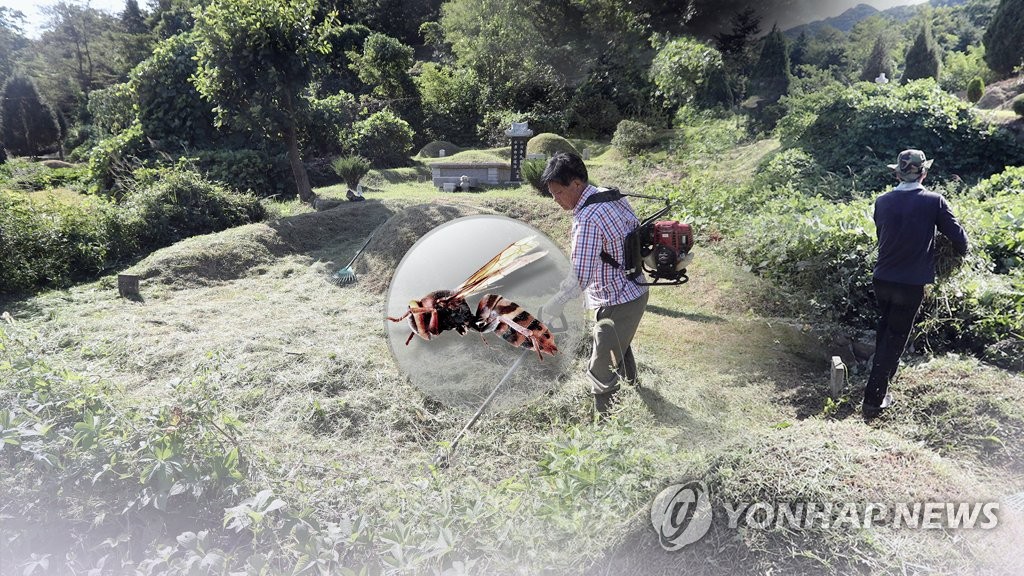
x: 729, y: 395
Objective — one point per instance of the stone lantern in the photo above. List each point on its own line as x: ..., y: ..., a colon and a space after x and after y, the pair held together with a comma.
x: 518, y: 135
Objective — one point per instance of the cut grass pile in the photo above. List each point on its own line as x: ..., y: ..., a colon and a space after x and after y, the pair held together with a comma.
x: 327, y: 423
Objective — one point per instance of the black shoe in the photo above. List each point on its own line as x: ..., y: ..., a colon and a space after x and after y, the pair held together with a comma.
x: 603, y: 403
x: 871, y: 412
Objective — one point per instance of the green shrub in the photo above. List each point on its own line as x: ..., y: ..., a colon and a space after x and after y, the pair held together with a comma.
x: 451, y: 99
x: 1009, y: 181
x: 28, y: 126
x: 351, y: 169
x: 325, y: 122
x: 877, y: 121
x: 170, y: 108
x: 491, y: 129
x: 113, y: 159
x: 244, y: 170
x: 113, y: 109
x: 383, y: 138
x: 532, y: 170
x: 1018, y: 105
x: 52, y: 243
x: 548, y: 144
x: 975, y: 89
x: 632, y: 137
x: 181, y: 203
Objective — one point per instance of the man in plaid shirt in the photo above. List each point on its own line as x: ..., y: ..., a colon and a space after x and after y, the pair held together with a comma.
x: 619, y: 303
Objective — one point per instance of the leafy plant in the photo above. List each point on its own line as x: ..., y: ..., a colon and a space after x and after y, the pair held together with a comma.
x: 351, y: 169
x: 975, y: 89
x: 384, y: 139
x: 532, y: 170
x: 632, y: 137
x: 1018, y: 105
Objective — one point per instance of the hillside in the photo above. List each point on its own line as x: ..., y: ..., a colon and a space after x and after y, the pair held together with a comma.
x: 244, y: 329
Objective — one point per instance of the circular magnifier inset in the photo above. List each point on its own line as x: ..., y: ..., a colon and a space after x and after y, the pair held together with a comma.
x: 501, y: 338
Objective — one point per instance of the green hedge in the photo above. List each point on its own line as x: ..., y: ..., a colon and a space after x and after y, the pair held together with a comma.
x: 878, y: 121
x: 54, y: 243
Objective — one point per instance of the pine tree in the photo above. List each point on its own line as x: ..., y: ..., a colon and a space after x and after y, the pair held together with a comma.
x: 923, y: 60
x: 770, y: 81
x: 132, y: 19
x: 29, y: 126
x: 770, y: 77
x: 1004, y: 48
x: 878, y: 62
x: 798, y: 53
x: 975, y: 89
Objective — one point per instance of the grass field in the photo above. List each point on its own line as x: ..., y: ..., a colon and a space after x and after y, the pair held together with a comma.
x: 247, y: 323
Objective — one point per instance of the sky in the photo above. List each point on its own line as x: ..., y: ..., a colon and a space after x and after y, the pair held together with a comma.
x: 795, y: 11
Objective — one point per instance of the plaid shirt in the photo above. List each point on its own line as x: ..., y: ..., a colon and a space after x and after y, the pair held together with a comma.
x: 602, y: 226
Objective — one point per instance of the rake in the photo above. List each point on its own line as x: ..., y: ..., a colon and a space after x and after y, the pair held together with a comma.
x: 347, y: 275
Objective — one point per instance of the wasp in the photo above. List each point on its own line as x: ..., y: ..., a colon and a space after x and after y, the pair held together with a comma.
x: 443, y: 310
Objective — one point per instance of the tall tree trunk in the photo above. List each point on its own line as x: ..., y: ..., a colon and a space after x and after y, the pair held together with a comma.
x: 294, y: 156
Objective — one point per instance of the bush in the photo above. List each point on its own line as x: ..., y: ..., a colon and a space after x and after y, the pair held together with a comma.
x: 491, y: 130
x: 113, y: 159
x: 532, y: 170
x: 28, y: 125
x: 325, y: 122
x: 451, y: 100
x: 351, y: 169
x: 877, y: 121
x: 112, y: 109
x: 975, y: 89
x: 52, y: 243
x: 34, y: 176
x: 632, y: 137
x: 1018, y: 105
x: 170, y: 109
x: 244, y: 170
x: 548, y: 144
x: 383, y: 138
x: 181, y: 203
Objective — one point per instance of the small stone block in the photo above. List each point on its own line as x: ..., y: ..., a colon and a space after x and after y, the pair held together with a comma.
x: 838, y: 376
x: 448, y: 186
x: 128, y: 285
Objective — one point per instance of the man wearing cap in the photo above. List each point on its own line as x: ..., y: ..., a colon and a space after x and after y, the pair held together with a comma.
x: 905, y: 221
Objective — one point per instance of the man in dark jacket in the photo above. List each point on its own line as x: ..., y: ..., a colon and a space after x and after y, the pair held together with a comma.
x: 905, y: 219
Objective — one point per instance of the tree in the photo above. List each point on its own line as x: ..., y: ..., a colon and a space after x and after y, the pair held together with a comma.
x: 682, y: 68
x: 770, y: 77
x: 11, y: 39
x: 171, y: 111
x: 134, y: 40
x: 770, y: 80
x: 399, y: 19
x: 1004, y: 49
x: 975, y: 89
x: 878, y: 62
x: 736, y: 45
x: 29, y: 126
x: 254, y: 60
x: 384, y: 66
x: 923, y: 59
x: 451, y: 100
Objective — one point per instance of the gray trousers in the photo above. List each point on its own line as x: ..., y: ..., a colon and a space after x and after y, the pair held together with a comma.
x: 612, y: 356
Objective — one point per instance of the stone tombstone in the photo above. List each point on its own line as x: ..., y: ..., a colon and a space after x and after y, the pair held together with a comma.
x: 881, y: 79
x: 586, y: 153
x: 518, y: 135
x: 440, y: 153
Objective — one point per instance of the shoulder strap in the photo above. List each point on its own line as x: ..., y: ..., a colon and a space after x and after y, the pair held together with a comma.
x: 605, y: 195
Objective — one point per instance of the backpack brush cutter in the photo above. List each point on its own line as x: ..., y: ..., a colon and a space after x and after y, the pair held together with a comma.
x: 659, y: 248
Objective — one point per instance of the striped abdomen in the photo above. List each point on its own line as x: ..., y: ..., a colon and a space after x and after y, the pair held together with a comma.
x: 515, y: 325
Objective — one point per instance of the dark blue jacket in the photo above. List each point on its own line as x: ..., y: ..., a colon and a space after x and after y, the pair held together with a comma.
x: 905, y: 221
